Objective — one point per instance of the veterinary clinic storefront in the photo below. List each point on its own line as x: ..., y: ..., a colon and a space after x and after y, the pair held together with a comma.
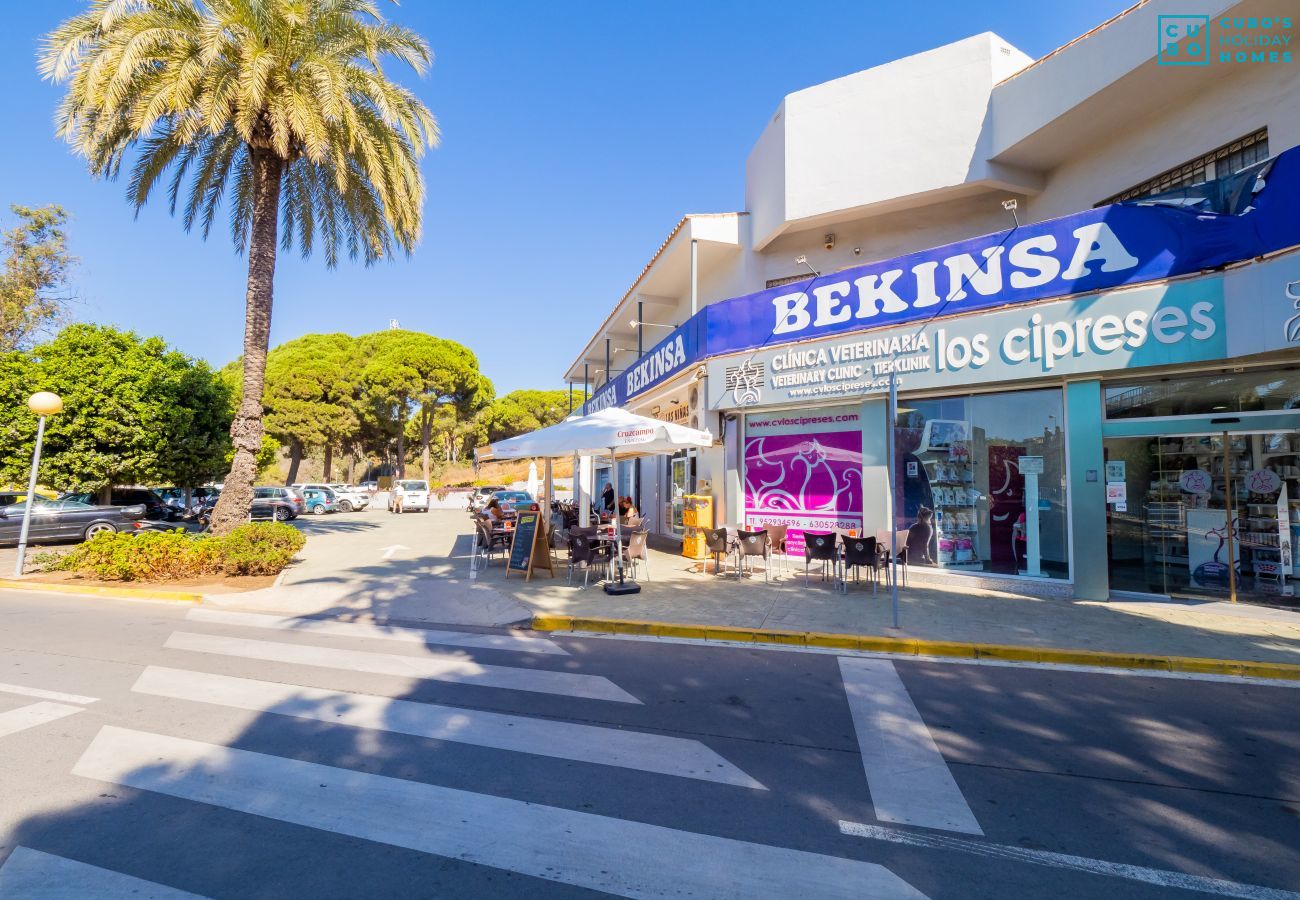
x: 1081, y: 446
x: 1083, y: 402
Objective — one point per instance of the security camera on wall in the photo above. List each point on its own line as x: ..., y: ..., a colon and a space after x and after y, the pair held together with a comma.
x: 829, y: 241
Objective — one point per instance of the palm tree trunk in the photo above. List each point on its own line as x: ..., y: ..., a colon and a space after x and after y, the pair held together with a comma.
x: 236, y: 499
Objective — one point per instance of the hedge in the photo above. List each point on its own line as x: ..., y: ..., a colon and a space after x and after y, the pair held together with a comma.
x: 259, y: 548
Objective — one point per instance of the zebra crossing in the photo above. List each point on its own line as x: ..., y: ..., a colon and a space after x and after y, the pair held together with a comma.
x: 588, y: 850
x: 50, y: 707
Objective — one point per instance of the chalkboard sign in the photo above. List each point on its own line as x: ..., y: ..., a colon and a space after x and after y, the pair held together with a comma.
x: 529, y: 549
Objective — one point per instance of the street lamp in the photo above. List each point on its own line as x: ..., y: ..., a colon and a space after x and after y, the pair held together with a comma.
x: 43, y: 403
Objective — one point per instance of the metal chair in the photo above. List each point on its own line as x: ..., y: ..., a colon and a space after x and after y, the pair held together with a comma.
x: 751, y: 544
x: 861, y: 553
x: 776, y: 541
x: 637, y: 549
x: 882, y: 538
x: 583, y: 552
x: 489, y: 542
x: 719, y: 545
x: 821, y: 546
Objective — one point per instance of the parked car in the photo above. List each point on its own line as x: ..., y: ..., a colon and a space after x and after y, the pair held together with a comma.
x: 415, y: 495
x: 513, y: 501
x: 346, y: 498
x: 278, y: 503
x: 478, y: 497
x: 319, y: 502
x: 348, y: 494
x: 67, y: 520
x: 199, y: 496
x: 370, y: 487
x: 154, y: 507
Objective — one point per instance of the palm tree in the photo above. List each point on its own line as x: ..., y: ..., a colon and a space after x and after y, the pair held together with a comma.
x: 281, y: 109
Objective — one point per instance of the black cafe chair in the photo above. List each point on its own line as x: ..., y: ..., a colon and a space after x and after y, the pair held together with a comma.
x: 861, y: 553
x: 820, y: 546
x: 751, y: 544
x: 586, y: 553
x: 719, y: 545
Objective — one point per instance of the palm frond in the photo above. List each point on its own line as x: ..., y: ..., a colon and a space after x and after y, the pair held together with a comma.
x: 189, y: 90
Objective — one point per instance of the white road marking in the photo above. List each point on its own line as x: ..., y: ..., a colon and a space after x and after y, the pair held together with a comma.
x: 433, y: 666
x: 1161, y: 877
x: 24, y: 717
x: 389, y: 551
x: 520, y: 643
x: 947, y: 660
x: 30, y: 873
x: 523, y: 734
x: 631, y: 859
x: 910, y: 782
x: 46, y: 695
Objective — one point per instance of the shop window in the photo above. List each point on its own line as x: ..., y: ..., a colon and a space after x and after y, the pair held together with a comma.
x: 968, y: 470
x: 1205, y: 395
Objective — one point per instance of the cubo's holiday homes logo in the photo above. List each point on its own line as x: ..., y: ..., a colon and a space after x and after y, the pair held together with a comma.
x: 1184, y: 40
x: 1196, y: 40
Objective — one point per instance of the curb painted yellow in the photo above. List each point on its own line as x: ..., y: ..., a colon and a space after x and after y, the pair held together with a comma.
x: 127, y: 593
x: 920, y: 647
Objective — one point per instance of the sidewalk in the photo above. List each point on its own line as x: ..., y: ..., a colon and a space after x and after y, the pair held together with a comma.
x: 676, y: 593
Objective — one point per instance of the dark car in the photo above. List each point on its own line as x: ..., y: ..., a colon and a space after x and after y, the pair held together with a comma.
x: 67, y: 520
x: 175, y: 498
x: 8, y: 498
x: 154, y: 508
x: 278, y: 503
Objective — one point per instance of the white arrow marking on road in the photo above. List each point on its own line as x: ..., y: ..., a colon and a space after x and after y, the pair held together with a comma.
x: 1161, y: 877
x: 31, y: 873
x: 24, y: 717
x: 389, y: 551
x: 627, y: 858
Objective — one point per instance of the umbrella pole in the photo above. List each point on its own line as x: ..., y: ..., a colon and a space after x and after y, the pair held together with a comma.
x: 622, y: 587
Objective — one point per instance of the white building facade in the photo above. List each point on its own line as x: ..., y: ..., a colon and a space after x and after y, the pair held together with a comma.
x: 869, y: 194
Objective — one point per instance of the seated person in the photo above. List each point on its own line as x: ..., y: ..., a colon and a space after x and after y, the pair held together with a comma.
x: 493, y: 512
x: 627, y: 510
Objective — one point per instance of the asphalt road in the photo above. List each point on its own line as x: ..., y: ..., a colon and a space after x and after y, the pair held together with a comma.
x: 153, y: 749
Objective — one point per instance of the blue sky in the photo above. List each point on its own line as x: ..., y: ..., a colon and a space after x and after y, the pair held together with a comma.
x: 575, y: 135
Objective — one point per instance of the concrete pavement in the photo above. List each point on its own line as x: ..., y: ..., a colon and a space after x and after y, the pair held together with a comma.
x: 417, y: 568
x: 216, y: 769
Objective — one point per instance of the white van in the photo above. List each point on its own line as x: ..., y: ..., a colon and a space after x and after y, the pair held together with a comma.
x: 415, y: 495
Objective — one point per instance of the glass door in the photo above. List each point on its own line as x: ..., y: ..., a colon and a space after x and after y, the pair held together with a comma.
x: 1203, y: 515
x: 677, y: 488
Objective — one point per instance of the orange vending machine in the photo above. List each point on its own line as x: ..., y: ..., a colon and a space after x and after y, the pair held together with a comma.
x: 697, y: 515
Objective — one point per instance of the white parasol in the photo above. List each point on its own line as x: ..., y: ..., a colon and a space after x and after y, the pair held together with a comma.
x: 614, y: 431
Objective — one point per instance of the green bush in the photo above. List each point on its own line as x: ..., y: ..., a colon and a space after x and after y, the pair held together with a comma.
x: 259, y: 548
